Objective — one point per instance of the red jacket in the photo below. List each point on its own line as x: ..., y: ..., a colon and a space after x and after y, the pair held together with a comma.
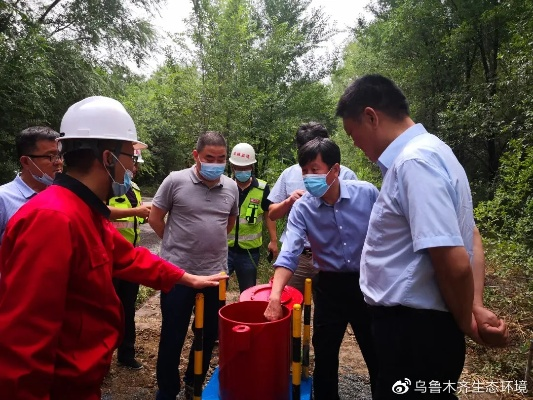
x: 60, y: 318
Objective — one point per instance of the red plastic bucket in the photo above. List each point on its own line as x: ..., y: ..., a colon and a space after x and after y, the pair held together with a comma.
x: 289, y: 296
x: 254, y: 354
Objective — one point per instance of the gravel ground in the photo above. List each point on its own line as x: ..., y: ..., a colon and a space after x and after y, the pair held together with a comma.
x: 354, y: 387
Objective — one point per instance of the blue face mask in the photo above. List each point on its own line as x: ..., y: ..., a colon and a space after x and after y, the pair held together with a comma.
x: 120, y: 189
x: 45, y: 179
x: 211, y: 171
x: 316, y: 184
x: 243, y: 176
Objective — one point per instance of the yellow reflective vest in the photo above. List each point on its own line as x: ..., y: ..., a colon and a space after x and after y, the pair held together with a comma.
x: 129, y: 227
x: 250, y: 223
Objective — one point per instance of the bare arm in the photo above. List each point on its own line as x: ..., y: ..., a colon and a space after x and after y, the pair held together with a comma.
x: 478, y: 268
x: 142, y: 211
x: 281, y: 277
x: 199, y: 282
x: 456, y: 283
x: 493, y: 330
x: 279, y: 210
x: 157, y: 220
x: 272, y: 232
x: 231, y: 222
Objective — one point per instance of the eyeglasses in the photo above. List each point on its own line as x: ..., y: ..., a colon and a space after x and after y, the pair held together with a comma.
x: 133, y: 156
x: 52, y: 157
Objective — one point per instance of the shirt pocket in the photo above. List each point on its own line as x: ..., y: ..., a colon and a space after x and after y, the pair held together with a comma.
x: 98, y: 258
x: 99, y: 274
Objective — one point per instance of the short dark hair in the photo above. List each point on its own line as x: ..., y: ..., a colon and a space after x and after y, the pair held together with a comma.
x: 309, y: 131
x: 374, y: 91
x: 81, y: 153
x: 210, y: 138
x: 26, y: 140
x: 327, y: 148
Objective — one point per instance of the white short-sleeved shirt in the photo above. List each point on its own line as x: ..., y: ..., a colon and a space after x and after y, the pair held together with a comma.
x: 425, y: 202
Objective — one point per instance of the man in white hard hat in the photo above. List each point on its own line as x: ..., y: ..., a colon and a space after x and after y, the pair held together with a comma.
x: 60, y: 318
x: 39, y: 161
x: 128, y: 212
x: 246, y: 238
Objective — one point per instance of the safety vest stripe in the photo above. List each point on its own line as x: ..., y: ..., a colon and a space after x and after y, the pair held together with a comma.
x: 123, y: 225
x: 259, y: 218
x: 243, y: 238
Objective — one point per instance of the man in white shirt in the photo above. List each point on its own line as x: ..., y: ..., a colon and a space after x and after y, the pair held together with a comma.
x: 421, y: 261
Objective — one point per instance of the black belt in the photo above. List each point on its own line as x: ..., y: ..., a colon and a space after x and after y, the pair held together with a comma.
x: 307, y: 251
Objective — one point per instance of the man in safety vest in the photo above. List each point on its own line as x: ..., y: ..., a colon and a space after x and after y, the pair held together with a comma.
x: 246, y: 238
x: 127, y: 214
x: 60, y: 318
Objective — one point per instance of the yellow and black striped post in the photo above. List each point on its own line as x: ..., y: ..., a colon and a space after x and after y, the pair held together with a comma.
x: 222, y: 291
x: 296, y: 350
x: 307, y: 328
x: 198, y: 345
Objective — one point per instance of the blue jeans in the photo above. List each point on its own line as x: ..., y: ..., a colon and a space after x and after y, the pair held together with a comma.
x: 245, y: 266
x: 176, y: 309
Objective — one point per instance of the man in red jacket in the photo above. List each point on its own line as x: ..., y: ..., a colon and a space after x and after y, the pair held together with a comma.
x: 60, y: 318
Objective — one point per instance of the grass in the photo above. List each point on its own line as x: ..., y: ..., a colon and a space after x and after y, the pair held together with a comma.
x: 144, y: 294
x: 509, y: 295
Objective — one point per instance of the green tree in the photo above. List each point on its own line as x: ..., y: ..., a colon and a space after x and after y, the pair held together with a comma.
x: 115, y: 26
x: 259, y: 79
x: 54, y: 54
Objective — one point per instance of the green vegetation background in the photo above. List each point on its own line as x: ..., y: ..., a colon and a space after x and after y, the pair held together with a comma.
x: 249, y: 69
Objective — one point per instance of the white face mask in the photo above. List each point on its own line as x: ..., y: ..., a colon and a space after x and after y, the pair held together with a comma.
x: 45, y: 179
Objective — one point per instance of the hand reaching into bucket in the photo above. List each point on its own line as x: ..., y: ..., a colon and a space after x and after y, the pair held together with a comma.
x: 273, y: 311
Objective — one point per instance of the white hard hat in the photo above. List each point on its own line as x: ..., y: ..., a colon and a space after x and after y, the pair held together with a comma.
x: 99, y: 117
x: 137, y: 153
x: 242, y: 154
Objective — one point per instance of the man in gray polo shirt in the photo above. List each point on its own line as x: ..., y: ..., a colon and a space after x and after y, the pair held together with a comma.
x: 202, y: 206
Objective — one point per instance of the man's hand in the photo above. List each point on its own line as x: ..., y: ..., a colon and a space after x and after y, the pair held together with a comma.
x: 143, y: 211
x: 493, y: 331
x: 273, y: 247
x: 295, y: 196
x: 199, y: 282
x: 273, y: 311
x: 473, y: 332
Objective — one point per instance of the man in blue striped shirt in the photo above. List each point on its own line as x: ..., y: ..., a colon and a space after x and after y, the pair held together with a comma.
x: 333, y: 215
x: 39, y: 161
x: 290, y: 187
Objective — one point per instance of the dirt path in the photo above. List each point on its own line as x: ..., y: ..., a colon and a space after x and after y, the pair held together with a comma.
x: 125, y: 384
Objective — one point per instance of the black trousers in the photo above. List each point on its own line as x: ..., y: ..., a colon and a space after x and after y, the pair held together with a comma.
x: 416, y: 347
x: 338, y: 302
x: 127, y: 293
x: 176, y: 309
